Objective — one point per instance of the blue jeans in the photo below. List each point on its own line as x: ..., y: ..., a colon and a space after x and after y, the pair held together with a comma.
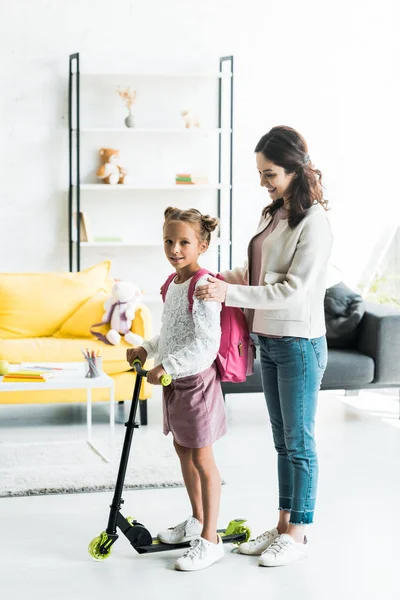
x: 292, y: 370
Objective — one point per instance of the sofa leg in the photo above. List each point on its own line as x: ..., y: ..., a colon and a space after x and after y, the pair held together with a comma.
x: 352, y: 392
x: 143, y: 412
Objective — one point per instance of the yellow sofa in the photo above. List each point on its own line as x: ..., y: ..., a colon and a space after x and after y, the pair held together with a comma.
x: 47, y: 317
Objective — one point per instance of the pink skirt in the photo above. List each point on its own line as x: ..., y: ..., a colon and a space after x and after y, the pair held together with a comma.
x: 194, y: 409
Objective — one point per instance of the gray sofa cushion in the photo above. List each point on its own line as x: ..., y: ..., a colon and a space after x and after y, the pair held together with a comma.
x: 347, y: 368
x: 344, y: 310
x: 379, y: 338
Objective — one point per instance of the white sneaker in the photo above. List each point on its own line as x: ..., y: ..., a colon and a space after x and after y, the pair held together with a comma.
x: 283, y: 551
x: 201, y: 555
x: 260, y: 543
x: 184, y: 532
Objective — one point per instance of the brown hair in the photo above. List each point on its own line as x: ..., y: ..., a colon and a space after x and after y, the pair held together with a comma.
x: 203, y: 224
x: 286, y: 148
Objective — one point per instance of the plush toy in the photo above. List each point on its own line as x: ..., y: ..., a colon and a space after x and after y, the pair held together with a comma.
x: 109, y: 171
x: 120, y: 310
x: 190, y: 121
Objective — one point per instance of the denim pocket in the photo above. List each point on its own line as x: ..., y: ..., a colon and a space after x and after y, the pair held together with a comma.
x: 321, y: 351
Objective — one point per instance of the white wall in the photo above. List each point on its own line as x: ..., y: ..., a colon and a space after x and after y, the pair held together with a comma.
x: 326, y: 68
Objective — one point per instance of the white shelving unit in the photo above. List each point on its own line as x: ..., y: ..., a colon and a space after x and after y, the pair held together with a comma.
x: 153, y: 152
x: 172, y: 75
x: 135, y: 131
x: 101, y: 187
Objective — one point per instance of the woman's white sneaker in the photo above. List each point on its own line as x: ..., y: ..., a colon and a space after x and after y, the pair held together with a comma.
x: 184, y: 532
x: 201, y: 555
x: 283, y: 551
x: 260, y: 543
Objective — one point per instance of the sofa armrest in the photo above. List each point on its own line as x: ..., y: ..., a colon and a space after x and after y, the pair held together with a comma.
x: 142, y: 324
x: 379, y: 338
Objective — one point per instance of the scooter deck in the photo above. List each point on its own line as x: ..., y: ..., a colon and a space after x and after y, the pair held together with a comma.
x: 158, y: 546
x: 143, y: 542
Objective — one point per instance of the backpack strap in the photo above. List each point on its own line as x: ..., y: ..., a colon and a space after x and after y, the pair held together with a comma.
x: 198, y: 275
x: 165, y: 286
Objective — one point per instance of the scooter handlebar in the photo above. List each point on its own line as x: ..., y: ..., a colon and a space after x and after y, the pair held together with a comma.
x: 137, y: 365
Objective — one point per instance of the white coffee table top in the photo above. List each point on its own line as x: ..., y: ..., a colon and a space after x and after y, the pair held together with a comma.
x: 70, y: 375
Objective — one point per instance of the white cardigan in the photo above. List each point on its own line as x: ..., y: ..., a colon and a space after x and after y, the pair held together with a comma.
x: 289, y: 299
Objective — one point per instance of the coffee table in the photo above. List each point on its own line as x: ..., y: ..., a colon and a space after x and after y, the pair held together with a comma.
x: 68, y: 376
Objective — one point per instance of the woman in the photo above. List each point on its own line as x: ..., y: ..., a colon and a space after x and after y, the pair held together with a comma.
x: 282, y: 288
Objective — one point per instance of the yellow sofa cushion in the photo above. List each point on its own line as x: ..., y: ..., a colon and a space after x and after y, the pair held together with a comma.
x: 78, y: 325
x: 52, y: 349
x: 37, y: 304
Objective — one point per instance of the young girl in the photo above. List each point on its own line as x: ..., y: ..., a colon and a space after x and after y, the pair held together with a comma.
x: 193, y: 405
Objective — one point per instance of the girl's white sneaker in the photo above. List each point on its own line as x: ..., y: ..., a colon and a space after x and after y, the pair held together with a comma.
x: 201, y: 555
x: 260, y: 543
x: 184, y: 532
x: 283, y: 551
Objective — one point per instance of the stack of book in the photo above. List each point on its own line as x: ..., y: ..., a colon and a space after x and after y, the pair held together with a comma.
x: 25, y: 376
x: 188, y: 179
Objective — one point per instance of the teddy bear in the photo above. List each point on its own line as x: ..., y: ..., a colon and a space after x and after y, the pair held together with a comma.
x: 190, y: 121
x: 109, y: 171
x: 120, y: 310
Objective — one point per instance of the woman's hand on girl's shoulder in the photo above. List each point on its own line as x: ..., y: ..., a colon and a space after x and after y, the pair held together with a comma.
x: 215, y: 291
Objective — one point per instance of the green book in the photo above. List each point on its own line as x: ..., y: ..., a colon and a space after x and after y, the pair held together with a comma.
x: 106, y: 238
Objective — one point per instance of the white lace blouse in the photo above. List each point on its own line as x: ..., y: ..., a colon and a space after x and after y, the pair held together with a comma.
x: 189, y: 341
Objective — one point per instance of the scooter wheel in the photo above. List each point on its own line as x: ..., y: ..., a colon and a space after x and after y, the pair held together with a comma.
x: 96, y: 544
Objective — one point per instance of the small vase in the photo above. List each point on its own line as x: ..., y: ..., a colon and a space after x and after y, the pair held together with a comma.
x: 130, y: 120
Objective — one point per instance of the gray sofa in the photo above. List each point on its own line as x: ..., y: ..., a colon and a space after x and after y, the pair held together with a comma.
x: 371, y: 361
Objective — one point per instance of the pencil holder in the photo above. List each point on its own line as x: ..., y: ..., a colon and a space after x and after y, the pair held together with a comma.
x: 93, y: 367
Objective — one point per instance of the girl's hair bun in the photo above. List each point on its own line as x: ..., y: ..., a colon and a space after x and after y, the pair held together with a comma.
x: 209, y: 223
x: 171, y: 212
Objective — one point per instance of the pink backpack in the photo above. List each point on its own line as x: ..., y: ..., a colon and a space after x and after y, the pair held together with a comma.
x: 235, y: 358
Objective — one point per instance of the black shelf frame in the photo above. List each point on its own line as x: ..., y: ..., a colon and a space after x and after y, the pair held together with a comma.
x: 74, y: 165
x: 74, y: 189
x: 222, y: 60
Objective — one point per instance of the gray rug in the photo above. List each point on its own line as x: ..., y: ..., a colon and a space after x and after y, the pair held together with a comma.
x: 71, y: 466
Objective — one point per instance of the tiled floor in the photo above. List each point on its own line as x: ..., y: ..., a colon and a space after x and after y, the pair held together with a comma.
x: 353, y: 546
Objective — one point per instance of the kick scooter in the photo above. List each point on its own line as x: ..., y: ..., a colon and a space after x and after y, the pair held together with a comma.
x: 137, y: 534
